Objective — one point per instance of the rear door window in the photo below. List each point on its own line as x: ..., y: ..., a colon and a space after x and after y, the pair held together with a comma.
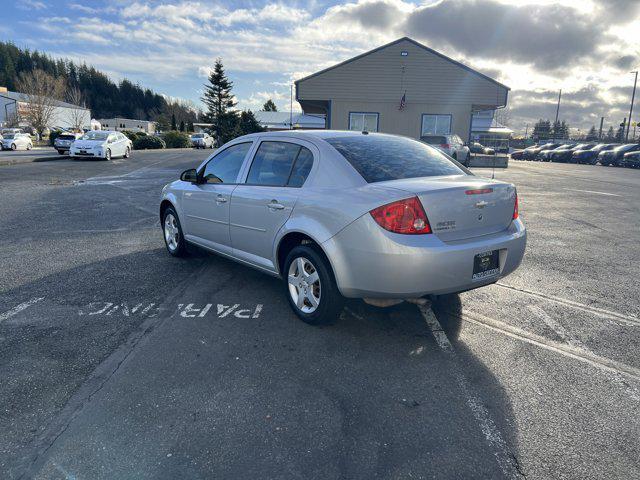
x: 279, y: 164
x: 379, y: 158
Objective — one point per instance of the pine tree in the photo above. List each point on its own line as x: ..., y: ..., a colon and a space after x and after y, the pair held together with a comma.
x: 542, y: 130
x: 592, y: 135
x: 219, y: 100
x: 269, y: 106
x: 182, y: 125
x: 189, y: 126
x: 173, y: 122
x: 610, y: 137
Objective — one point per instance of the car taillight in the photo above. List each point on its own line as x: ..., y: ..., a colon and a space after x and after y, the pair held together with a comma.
x: 444, y: 145
x: 515, y: 208
x: 404, y: 216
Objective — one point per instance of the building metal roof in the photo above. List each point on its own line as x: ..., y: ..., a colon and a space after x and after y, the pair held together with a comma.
x: 22, y: 97
x: 418, y: 44
x: 284, y: 120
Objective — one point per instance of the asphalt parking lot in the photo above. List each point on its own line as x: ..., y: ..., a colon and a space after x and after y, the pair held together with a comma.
x: 120, y: 361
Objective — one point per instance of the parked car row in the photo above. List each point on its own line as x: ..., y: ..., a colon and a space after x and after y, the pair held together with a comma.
x: 616, y: 154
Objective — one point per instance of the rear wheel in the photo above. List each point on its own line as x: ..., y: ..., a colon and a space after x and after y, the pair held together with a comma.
x: 29, y: 146
x: 310, y: 287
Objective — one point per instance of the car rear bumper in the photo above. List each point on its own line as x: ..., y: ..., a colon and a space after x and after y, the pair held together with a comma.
x: 371, y: 262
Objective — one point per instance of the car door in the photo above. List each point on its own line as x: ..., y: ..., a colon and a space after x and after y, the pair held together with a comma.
x: 206, y: 204
x: 264, y: 201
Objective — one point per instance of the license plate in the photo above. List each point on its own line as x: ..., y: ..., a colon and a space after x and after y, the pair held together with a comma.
x: 486, y: 264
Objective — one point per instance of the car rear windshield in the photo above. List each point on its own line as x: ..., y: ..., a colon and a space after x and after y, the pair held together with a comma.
x: 379, y: 158
x: 67, y: 137
x: 434, y: 139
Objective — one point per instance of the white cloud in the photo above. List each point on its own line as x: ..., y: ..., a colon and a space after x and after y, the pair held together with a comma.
x: 31, y: 5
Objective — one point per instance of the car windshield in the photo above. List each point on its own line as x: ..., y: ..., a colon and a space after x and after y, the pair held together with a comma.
x: 384, y: 157
x: 624, y: 148
x: 95, y: 136
x: 9, y: 135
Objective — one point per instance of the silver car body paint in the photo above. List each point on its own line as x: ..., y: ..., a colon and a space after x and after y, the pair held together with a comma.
x: 332, y: 208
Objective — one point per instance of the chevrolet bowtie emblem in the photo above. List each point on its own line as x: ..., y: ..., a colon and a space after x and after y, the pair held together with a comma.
x: 481, y: 204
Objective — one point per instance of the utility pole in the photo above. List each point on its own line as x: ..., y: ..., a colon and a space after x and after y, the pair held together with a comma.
x: 600, y: 132
x: 557, y: 112
x: 633, y: 96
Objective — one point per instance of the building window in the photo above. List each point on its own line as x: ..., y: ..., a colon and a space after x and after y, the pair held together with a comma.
x: 436, y: 124
x: 363, y: 121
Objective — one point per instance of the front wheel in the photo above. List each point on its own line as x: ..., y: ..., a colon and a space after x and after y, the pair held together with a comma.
x: 173, y: 237
x: 127, y: 153
x: 107, y: 155
x: 30, y: 146
x: 13, y: 146
x: 310, y: 286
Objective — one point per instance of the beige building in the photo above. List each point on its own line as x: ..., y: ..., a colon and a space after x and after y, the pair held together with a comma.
x: 128, y: 124
x: 404, y: 88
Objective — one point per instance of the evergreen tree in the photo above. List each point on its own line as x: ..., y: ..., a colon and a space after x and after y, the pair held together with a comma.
x: 542, y: 130
x: 182, y: 125
x: 173, y: 122
x: 620, y: 133
x: 610, y: 137
x: 190, y: 126
x: 592, y: 135
x: 247, y: 123
x: 269, y: 106
x: 219, y: 101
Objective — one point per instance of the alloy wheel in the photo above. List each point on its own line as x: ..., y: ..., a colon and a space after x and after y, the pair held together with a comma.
x: 304, y: 285
x: 171, y: 232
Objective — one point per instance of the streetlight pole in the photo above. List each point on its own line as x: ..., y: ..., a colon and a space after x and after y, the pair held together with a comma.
x: 633, y: 96
x: 555, y: 123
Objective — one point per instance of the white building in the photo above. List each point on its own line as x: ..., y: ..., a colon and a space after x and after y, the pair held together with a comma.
x: 486, y: 130
x: 14, y: 105
x: 119, y: 123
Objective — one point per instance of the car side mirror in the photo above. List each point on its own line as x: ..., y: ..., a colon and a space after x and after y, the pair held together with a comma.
x: 190, y: 175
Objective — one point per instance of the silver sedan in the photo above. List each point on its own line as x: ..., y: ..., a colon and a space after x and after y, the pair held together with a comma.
x: 346, y: 214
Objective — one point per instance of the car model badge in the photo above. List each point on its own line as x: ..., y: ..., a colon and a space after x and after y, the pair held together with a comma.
x: 481, y: 204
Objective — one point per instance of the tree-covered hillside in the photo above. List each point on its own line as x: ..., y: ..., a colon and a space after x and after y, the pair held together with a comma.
x: 104, y: 97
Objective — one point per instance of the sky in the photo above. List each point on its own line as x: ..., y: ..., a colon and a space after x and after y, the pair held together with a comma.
x: 587, y: 48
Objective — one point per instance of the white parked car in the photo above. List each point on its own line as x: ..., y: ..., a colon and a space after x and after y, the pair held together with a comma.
x: 452, y: 145
x: 202, y: 140
x: 17, y: 141
x: 63, y: 142
x: 101, y: 144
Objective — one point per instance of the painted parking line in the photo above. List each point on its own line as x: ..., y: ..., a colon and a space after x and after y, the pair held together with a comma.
x: 19, y: 308
x: 594, y: 192
x: 506, y: 459
x: 183, y: 310
x: 585, y: 356
x: 628, y: 320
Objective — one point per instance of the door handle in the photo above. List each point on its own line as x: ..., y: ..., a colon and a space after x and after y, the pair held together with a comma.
x: 220, y: 199
x: 274, y: 205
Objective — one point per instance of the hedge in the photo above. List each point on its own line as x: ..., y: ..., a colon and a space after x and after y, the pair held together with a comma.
x: 176, y: 140
x: 148, y: 142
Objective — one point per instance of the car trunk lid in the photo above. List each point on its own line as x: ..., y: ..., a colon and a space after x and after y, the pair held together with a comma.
x: 462, y: 206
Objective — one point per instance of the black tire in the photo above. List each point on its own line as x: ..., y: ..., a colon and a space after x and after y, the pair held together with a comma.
x: 107, y: 155
x: 331, y: 300
x: 13, y: 146
x: 127, y: 153
x: 181, y: 249
x: 61, y: 152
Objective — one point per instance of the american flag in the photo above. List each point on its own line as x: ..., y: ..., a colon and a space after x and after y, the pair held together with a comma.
x: 403, y: 101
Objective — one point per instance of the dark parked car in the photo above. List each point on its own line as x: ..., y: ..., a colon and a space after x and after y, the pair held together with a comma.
x: 545, y: 155
x: 614, y: 157
x: 479, y: 149
x: 631, y: 159
x: 590, y: 155
x: 533, y: 153
x: 565, y: 154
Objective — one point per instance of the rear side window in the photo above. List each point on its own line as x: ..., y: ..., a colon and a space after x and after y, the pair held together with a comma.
x: 379, y: 158
x: 277, y: 164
